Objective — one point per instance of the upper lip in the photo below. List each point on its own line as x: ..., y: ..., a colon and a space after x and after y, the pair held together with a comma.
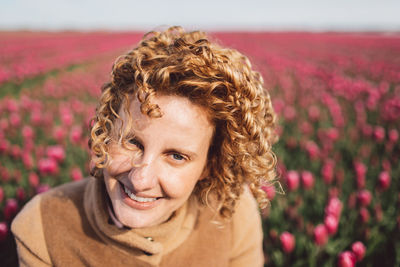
x: 137, y: 194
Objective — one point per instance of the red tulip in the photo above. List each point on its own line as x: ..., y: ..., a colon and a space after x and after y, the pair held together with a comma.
x: 320, y: 235
x: 288, y: 242
x: 346, y: 259
x: 3, y: 231
x: 358, y: 249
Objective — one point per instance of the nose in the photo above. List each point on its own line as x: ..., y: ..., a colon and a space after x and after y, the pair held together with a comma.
x: 143, y: 177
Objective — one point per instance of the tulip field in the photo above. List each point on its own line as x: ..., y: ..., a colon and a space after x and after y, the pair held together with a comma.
x: 337, y: 96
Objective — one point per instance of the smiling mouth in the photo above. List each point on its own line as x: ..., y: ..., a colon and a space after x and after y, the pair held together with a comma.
x: 137, y: 198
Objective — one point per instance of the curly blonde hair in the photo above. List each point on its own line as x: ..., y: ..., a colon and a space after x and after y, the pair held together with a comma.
x: 222, y: 81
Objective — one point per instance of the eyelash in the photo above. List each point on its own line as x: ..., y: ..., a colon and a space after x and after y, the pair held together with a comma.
x: 181, y: 157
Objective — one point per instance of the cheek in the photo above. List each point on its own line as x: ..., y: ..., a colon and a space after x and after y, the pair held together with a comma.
x: 180, y: 183
x: 120, y: 163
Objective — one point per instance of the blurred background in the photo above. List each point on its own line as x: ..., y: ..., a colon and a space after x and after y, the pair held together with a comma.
x: 331, y: 67
x: 309, y: 15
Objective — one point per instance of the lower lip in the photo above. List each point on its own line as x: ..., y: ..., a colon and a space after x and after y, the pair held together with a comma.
x: 136, y: 204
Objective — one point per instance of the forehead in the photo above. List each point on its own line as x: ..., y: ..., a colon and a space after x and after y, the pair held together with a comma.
x: 178, y: 113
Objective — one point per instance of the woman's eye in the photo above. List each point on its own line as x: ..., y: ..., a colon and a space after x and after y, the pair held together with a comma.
x: 177, y: 156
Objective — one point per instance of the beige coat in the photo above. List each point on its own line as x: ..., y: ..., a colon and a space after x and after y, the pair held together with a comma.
x: 70, y: 226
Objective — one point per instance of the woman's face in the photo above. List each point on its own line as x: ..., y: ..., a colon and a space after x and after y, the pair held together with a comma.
x: 172, y: 157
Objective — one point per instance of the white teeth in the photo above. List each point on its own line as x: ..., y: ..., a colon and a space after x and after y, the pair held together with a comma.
x: 138, y: 199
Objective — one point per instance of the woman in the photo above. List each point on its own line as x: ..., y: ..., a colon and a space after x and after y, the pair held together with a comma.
x: 181, y: 138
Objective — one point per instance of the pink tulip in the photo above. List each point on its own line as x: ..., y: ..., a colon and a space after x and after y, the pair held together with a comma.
x: 270, y: 191
x: 358, y: 249
x: 288, y: 242
x: 292, y: 179
x: 4, y: 146
x: 332, y: 134
x: 56, y: 152
x: 76, y: 174
x: 27, y: 160
x: 331, y: 224
x: 59, y: 134
x: 48, y: 166
x: 3, y: 231
x: 393, y: 135
x: 364, y: 197
x: 20, y: 194
x: 27, y: 132
x: 364, y: 215
x: 384, y: 180
x: 3, y: 124
x: 307, y: 179
x: 327, y: 171
x: 312, y: 150
x: 379, y: 134
x: 66, y: 117
x: 334, y: 207
x: 1, y: 194
x: 42, y: 188
x: 15, y: 120
x: 361, y: 170
x: 15, y: 151
x: 320, y: 235
x: 10, y: 209
x: 306, y: 128
x: 289, y: 113
x: 346, y: 259
x: 76, y: 134
x: 33, y: 179
x: 36, y: 118
x: 313, y: 113
x: 12, y: 105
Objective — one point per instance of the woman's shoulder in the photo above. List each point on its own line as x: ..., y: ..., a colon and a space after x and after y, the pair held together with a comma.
x: 33, y: 210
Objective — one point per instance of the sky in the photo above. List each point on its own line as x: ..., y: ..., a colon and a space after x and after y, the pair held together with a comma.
x: 313, y: 15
